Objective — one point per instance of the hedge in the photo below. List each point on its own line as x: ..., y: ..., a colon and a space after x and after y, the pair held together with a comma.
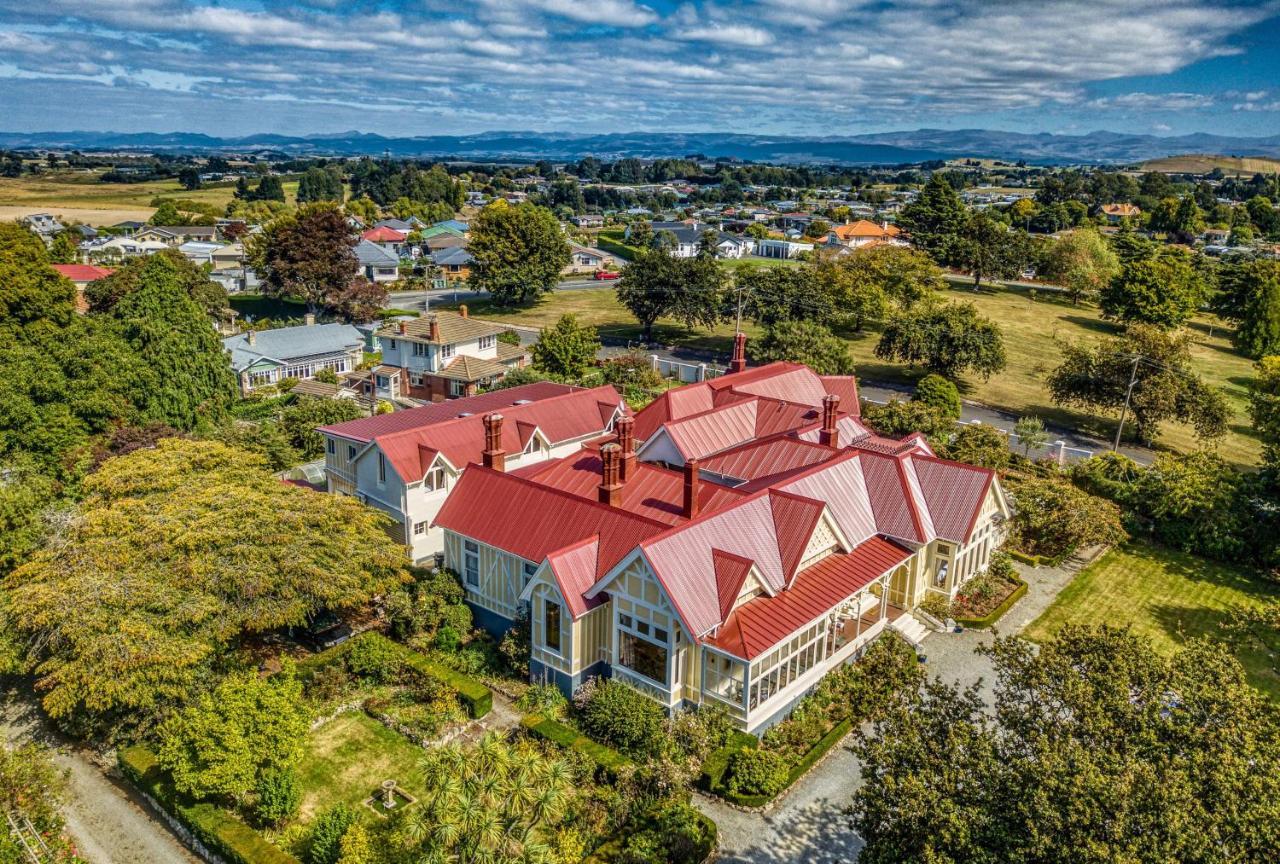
x: 1033, y: 560
x: 611, y: 851
x: 616, y: 246
x: 711, y: 777
x: 807, y: 761
x: 477, y: 698
x: 994, y: 615
x: 606, y: 758
x: 219, y: 831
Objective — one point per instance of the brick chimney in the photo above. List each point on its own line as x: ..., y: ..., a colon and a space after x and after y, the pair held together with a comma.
x: 462, y: 310
x: 625, y: 430
x: 435, y: 330
x: 494, y: 456
x: 404, y: 327
x: 610, y: 490
x: 829, y: 435
x: 692, y: 484
x: 251, y: 336
x: 739, y: 361
x: 309, y: 319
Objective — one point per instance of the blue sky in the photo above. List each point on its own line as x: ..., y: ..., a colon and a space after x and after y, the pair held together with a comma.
x: 831, y: 67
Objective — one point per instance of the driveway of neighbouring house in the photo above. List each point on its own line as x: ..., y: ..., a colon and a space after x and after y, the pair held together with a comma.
x: 809, y: 825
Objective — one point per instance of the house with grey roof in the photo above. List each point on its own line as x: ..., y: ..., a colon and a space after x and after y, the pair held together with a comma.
x: 375, y: 263
x: 267, y: 357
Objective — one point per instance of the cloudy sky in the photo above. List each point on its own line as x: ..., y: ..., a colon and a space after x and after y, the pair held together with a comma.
x: 406, y: 67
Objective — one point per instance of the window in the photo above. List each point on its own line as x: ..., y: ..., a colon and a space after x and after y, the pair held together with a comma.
x: 942, y: 573
x: 433, y: 480
x: 551, y: 624
x: 457, y: 388
x: 486, y: 342
x: 351, y: 452
x: 446, y: 351
x: 643, y: 657
x: 415, y: 378
x: 527, y: 573
x: 393, y: 345
x: 382, y: 469
x: 471, y: 563
x: 419, y: 528
x: 330, y: 446
x: 419, y: 349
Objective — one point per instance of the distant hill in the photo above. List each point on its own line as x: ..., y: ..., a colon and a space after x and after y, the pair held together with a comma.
x: 886, y: 148
x: 1203, y: 163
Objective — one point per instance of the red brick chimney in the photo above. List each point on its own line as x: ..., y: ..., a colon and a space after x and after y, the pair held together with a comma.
x: 494, y: 456
x: 739, y: 361
x: 462, y: 310
x: 610, y: 490
x: 435, y: 330
x: 829, y: 435
x: 692, y: 484
x: 625, y: 430
x: 404, y: 327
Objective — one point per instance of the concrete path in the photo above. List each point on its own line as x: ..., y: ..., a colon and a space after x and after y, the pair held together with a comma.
x: 105, y: 819
x: 810, y: 823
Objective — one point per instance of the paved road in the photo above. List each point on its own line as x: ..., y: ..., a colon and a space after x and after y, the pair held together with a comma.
x: 810, y: 825
x: 107, y: 821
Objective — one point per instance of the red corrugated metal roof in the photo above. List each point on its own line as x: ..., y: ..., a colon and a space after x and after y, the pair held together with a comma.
x: 890, y: 498
x: 790, y: 382
x: 759, y: 624
x: 954, y: 493
x: 83, y: 272
x: 731, y: 574
x: 768, y: 458
x: 703, y: 434
x: 794, y: 518
x: 384, y: 235
x: 533, y: 522
x: 574, y: 570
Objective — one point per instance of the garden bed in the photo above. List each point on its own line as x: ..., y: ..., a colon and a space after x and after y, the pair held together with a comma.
x: 994, y: 610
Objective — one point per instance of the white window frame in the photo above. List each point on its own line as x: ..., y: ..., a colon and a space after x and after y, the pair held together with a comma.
x: 471, y: 563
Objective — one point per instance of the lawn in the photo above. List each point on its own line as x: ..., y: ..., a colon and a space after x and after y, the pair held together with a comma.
x: 1034, y: 331
x: 1168, y: 597
x: 348, y: 757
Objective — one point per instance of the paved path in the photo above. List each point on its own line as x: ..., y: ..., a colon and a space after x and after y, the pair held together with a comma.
x: 107, y: 821
x: 809, y: 825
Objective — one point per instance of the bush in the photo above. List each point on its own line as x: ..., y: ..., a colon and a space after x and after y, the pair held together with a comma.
x: 325, y: 846
x: 716, y: 765
x: 978, y: 444
x: 279, y: 797
x: 326, y: 376
x: 756, y: 772
x: 940, y: 394
x: 793, y: 737
x: 373, y: 658
x: 544, y: 699
x: 515, y: 645
x: 696, y: 734
x: 1108, y: 475
x: 433, y: 601
x: 448, y: 639
x: 605, y: 758
x: 676, y: 834
x: 896, y: 419
x: 1053, y: 518
x: 613, y: 713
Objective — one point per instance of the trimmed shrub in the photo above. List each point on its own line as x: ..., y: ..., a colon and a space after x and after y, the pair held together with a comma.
x: 978, y: 444
x: 940, y: 394
x: 325, y: 846
x: 279, y: 797
x: 373, y: 658
x: 756, y: 772
x: 544, y: 699
x: 613, y: 713
x: 606, y: 759
x: 675, y: 834
x: 711, y: 778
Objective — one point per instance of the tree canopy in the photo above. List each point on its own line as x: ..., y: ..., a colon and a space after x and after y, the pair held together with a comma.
x: 657, y: 285
x: 309, y: 255
x: 1084, y: 262
x: 804, y: 342
x: 102, y: 295
x: 175, y: 553
x: 947, y: 338
x: 935, y: 218
x: 519, y: 252
x: 567, y: 349
x: 988, y: 249
x: 1096, y: 748
x: 1162, y: 289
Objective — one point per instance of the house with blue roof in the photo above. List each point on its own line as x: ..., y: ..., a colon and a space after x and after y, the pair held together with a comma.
x: 267, y: 357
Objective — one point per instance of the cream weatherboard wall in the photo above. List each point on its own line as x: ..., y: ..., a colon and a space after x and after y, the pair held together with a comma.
x: 576, y: 646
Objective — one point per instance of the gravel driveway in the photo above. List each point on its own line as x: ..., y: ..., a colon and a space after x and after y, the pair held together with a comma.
x: 107, y: 821
x: 809, y: 824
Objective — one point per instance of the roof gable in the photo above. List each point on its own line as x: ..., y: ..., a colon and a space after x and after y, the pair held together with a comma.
x: 731, y: 575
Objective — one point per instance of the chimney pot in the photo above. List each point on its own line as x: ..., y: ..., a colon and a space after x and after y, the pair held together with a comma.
x: 310, y: 319
x: 494, y: 456
x: 829, y: 435
x: 404, y: 327
x: 252, y: 336
x: 625, y: 431
x: 739, y: 361
x: 435, y: 330
x: 610, y: 490
x: 462, y: 310
x: 692, y: 484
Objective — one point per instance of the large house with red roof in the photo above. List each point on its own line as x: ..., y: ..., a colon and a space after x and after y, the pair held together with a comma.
x: 406, y: 462
x: 729, y: 544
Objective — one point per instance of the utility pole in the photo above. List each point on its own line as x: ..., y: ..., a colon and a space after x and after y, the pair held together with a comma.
x: 1133, y: 379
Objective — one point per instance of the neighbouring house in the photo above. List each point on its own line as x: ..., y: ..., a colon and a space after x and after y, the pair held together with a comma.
x: 406, y: 462
x: 728, y: 545
x: 1117, y: 213
x: 455, y: 225
x: 584, y: 259
x: 685, y: 239
x: 46, y: 225
x: 81, y: 275
x: 588, y: 220
x: 199, y: 251
x: 775, y: 247
x: 375, y: 263
x: 444, y: 355
x: 454, y: 263
x: 118, y: 248
x: 864, y: 232
x: 402, y: 225
x: 266, y: 357
x: 388, y: 238
x: 176, y: 235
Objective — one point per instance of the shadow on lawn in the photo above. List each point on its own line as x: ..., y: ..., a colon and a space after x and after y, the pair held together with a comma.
x: 1256, y: 653
x: 1097, y: 325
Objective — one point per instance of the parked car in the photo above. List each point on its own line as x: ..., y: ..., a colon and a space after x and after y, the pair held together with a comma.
x: 602, y: 275
x: 323, y: 631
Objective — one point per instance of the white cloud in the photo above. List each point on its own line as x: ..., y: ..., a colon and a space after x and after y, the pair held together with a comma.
x: 726, y: 34
x: 1156, y: 101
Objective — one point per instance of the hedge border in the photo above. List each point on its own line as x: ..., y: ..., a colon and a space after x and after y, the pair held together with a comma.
x: 215, y: 828
x: 997, y: 613
x: 622, y: 250
x: 607, y: 759
x: 711, y: 777
x: 608, y: 852
x: 802, y: 767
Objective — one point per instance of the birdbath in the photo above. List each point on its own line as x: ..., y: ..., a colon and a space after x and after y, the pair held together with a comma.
x: 389, y: 794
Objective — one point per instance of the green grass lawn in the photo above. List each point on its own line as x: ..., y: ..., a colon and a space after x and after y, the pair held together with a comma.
x: 1034, y: 332
x: 1166, y: 596
x: 348, y: 757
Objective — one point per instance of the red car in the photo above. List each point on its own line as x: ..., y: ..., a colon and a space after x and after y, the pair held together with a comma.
x: 602, y: 275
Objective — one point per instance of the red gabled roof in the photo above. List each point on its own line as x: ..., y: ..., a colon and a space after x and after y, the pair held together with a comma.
x: 794, y: 518
x: 83, y: 272
x: 954, y: 493
x: 536, y: 522
x: 889, y: 491
x: 761, y: 623
x: 766, y: 458
x: 731, y: 574
x: 384, y: 235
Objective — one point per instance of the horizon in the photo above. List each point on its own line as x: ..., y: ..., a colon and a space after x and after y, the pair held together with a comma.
x: 800, y: 68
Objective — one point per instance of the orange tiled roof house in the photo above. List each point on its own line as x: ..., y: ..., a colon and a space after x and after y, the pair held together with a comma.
x: 730, y: 544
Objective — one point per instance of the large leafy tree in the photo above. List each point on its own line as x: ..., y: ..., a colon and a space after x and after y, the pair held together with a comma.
x: 900, y: 275
x: 30, y: 290
x: 1163, y: 289
x: 806, y: 342
x: 1084, y: 262
x: 519, y: 252
x: 103, y: 294
x: 176, y: 553
x: 226, y: 740
x: 1249, y: 295
x: 1096, y: 747
x: 321, y: 184
x: 988, y: 249
x: 301, y: 419
x: 1264, y: 407
x: 492, y: 802
x: 567, y: 349
x: 308, y: 254
x: 1158, y: 364
x: 774, y: 294
x: 1193, y: 503
x: 1053, y: 518
x: 657, y: 285
x: 935, y: 219
x: 947, y: 338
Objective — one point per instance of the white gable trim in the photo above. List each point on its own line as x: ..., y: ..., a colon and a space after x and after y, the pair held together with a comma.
x: 660, y: 448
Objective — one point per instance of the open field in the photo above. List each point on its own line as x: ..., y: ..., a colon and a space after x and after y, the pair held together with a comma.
x: 348, y: 757
x: 1034, y: 332
x: 1203, y: 163
x: 81, y: 196
x: 1168, y: 597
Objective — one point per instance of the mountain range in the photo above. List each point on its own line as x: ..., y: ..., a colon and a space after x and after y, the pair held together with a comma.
x: 883, y: 148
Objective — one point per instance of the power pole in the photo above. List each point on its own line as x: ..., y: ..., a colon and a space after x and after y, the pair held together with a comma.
x: 1133, y: 379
